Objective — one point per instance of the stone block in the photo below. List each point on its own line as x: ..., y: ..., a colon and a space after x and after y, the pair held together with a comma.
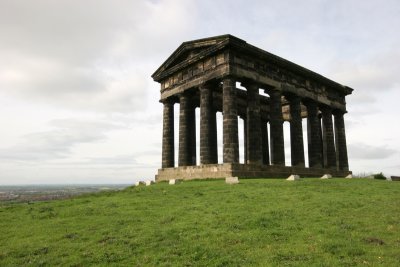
x: 293, y: 177
x: 220, y: 171
x: 395, y: 178
x: 150, y: 182
x: 326, y: 176
x: 174, y: 181
x: 232, y: 180
x: 140, y: 183
x: 349, y: 176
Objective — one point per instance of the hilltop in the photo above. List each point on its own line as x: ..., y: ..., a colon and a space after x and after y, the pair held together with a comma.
x: 208, y: 223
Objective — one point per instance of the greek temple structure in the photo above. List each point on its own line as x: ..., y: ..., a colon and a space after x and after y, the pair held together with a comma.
x: 226, y: 74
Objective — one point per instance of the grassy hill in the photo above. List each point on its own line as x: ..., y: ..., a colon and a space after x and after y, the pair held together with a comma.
x: 336, y: 222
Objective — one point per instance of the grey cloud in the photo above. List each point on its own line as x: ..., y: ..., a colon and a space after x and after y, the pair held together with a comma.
x: 58, y: 142
x: 369, y: 152
x: 122, y: 161
x: 374, y: 74
x: 91, y: 55
x: 129, y: 160
x: 371, y: 78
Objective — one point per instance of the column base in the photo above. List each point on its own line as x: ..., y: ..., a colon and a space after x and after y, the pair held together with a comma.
x: 215, y: 171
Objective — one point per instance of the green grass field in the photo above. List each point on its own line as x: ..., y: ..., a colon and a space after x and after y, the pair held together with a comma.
x: 260, y: 222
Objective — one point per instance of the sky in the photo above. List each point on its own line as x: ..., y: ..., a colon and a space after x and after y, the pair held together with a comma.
x: 78, y: 104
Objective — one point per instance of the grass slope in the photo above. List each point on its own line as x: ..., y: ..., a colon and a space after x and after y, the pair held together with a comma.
x: 313, y: 222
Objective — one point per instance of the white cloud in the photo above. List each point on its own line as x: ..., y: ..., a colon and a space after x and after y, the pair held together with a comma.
x: 58, y: 142
x: 369, y: 152
x: 91, y: 55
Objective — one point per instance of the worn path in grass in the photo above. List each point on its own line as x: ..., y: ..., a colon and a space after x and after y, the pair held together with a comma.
x: 263, y: 222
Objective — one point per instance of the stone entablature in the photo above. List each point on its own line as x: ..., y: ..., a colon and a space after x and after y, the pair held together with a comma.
x: 204, y: 73
x: 230, y: 54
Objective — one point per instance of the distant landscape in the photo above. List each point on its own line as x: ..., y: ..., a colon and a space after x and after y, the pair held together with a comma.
x: 26, y: 193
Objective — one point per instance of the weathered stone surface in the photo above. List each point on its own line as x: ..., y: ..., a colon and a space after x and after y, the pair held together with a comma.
x: 313, y: 135
x: 326, y: 176
x: 240, y: 170
x: 185, y: 143
x: 296, y: 131
x: 149, y: 182
x: 204, y: 73
x: 168, y: 147
x: 253, y: 128
x: 276, y: 127
x: 395, y: 178
x: 207, y: 126
x: 174, y: 181
x: 265, y: 145
x: 341, y: 146
x: 328, y: 138
x: 230, y: 122
x: 232, y: 180
x: 293, y: 177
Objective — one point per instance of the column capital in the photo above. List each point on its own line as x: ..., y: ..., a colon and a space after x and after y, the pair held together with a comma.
x: 208, y: 85
x: 273, y: 90
x: 265, y: 119
x: 169, y: 100
x: 325, y: 110
x: 185, y: 93
x: 292, y: 97
x: 250, y: 84
x: 338, y: 112
x: 229, y: 77
x: 309, y: 102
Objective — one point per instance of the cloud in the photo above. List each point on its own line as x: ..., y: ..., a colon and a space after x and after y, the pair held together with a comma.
x: 373, y: 74
x: 90, y: 55
x: 58, y: 142
x: 368, y: 152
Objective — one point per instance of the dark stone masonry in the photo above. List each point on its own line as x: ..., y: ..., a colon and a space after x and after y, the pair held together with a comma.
x: 226, y: 74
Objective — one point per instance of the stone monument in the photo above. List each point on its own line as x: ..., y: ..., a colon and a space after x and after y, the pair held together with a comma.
x: 205, y: 74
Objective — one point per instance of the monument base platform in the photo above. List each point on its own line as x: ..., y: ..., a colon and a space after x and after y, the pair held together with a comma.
x: 242, y: 171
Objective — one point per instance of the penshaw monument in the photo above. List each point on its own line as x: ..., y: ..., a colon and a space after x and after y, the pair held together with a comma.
x: 226, y: 74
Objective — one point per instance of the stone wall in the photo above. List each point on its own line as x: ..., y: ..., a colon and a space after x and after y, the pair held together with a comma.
x: 242, y: 171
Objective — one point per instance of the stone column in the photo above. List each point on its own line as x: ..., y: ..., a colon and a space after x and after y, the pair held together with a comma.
x: 276, y: 127
x: 185, y: 156
x: 213, y: 137
x: 321, y: 139
x: 340, y: 137
x: 253, y: 121
x: 230, y: 121
x: 328, y: 138
x: 264, y: 138
x: 313, y: 135
x: 168, y: 148
x: 206, y: 135
x: 245, y: 140
x: 192, y: 133
x: 296, y: 132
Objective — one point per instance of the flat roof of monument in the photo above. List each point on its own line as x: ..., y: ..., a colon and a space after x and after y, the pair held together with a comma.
x: 216, y: 43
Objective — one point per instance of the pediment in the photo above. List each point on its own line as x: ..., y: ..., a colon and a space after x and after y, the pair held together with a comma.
x: 191, y: 49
